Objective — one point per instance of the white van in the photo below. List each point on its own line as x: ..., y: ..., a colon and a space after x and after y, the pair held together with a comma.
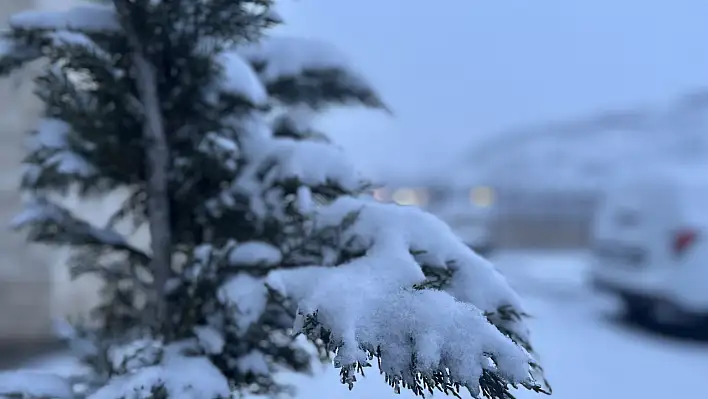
x: 650, y: 244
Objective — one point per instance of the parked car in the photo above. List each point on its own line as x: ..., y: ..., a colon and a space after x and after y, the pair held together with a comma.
x: 649, y: 245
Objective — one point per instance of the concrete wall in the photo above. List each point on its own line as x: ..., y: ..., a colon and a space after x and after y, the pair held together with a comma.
x: 34, y: 281
x: 24, y: 277
x: 540, y: 233
x: 550, y: 219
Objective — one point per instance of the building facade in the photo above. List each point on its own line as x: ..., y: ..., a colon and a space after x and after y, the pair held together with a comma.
x: 35, y: 287
x: 548, y: 179
x: 24, y: 277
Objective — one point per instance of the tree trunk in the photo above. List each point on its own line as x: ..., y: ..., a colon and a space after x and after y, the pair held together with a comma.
x: 158, y: 158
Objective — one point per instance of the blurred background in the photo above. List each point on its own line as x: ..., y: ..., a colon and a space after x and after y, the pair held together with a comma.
x: 565, y: 140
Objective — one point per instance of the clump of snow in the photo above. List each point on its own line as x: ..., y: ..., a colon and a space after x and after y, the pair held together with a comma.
x: 34, y: 212
x: 306, y: 162
x: 315, y: 163
x: 240, y: 79
x: 222, y: 144
x: 87, y: 18
x: 203, y: 253
x: 226, y: 149
x: 365, y: 304
x: 290, y: 56
x: 391, y: 228
x: 305, y: 202
x: 301, y: 117
x: 68, y: 162
x: 370, y: 302
x: 135, y: 355
x: 51, y: 133
x: 253, y: 362
x: 255, y: 253
x: 210, y: 339
x: 34, y: 384
x: 71, y: 38
x: 248, y: 296
x: 181, y: 376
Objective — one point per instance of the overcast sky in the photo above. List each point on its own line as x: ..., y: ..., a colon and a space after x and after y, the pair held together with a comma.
x: 464, y: 69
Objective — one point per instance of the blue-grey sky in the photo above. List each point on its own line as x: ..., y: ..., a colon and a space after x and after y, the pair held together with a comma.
x: 456, y: 71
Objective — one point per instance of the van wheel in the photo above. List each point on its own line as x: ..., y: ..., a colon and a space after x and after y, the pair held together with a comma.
x: 668, y: 315
x: 638, y: 310
x: 677, y: 321
x: 701, y: 328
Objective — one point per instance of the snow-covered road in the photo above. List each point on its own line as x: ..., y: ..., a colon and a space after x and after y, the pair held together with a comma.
x: 587, y: 354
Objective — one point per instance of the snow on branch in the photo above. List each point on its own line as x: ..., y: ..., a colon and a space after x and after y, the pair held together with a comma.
x: 68, y: 163
x: 65, y: 39
x: 254, y: 254
x: 174, y: 376
x: 406, y: 229
x: 51, y: 154
x: 297, y: 123
x: 417, y: 335
x: 50, y: 223
x: 51, y: 134
x: 305, y: 166
x: 315, y: 164
x: 34, y: 385
x: 247, y: 297
x: 239, y: 78
x: 32, y: 31
x: 277, y: 57
x: 299, y: 70
x: 94, y: 18
x: 14, y: 55
x: 374, y: 306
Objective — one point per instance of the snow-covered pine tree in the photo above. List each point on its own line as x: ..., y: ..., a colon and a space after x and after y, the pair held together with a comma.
x: 256, y: 220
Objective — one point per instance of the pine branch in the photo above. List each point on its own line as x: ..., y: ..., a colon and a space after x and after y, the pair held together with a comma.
x: 50, y: 223
x: 158, y: 165
x: 14, y: 55
x: 320, y: 88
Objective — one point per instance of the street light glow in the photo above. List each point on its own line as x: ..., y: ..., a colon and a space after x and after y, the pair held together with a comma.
x: 482, y: 196
x: 409, y: 196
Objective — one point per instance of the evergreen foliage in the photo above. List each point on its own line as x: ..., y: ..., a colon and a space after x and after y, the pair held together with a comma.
x: 263, y: 213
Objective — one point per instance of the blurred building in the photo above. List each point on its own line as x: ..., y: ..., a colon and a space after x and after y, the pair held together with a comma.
x: 539, y: 186
x: 547, y: 179
x: 35, y: 286
x: 25, y: 281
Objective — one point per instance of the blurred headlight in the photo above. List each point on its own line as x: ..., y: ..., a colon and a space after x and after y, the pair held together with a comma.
x: 409, y: 196
x: 381, y: 195
x: 482, y: 197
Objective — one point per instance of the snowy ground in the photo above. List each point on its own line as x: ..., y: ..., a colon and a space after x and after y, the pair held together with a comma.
x: 587, y: 354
